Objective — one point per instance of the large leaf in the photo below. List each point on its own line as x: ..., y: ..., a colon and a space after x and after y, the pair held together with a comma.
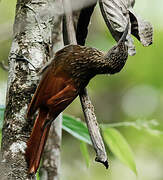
x: 119, y: 146
x: 85, y: 153
x: 117, y: 13
x: 76, y: 128
x: 141, y: 29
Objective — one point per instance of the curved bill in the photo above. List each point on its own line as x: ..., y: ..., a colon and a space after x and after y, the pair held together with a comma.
x: 124, y: 35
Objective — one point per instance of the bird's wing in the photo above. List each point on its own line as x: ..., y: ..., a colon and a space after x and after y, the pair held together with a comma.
x: 51, y: 84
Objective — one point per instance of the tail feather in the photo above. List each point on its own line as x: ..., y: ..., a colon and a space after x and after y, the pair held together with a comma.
x: 36, y: 142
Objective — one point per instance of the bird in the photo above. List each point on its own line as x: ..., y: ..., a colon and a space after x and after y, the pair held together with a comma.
x: 62, y: 80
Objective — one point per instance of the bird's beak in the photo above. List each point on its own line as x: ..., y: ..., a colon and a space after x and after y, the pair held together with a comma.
x: 124, y: 35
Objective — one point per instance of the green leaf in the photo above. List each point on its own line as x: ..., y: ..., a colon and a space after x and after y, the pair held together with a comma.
x: 85, y: 153
x: 37, y: 175
x: 149, y: 126
x: 119, y: 146
x: 138, y: 124
x: 76, y: 128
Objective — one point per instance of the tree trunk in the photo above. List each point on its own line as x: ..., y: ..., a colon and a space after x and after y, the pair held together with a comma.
x: 37, y: 26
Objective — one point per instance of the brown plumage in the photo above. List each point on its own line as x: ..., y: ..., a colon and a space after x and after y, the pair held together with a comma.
x: 62, y: 80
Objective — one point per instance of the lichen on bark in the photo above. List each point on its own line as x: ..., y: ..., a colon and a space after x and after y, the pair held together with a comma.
x: 32, y: 38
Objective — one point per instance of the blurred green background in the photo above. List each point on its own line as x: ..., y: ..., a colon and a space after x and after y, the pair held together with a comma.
x: 135, y: 93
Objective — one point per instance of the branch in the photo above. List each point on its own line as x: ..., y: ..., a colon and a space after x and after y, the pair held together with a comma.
x: 69, y: 22
x: 87, y: 106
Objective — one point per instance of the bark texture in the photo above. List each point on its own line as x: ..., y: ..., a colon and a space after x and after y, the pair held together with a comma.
x: 36, y: 28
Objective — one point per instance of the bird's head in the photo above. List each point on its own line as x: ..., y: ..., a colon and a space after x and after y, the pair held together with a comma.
x: 118, y: 54
x: 121, y: 46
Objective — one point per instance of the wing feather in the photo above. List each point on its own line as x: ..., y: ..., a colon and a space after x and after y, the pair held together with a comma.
x: 50, y: 84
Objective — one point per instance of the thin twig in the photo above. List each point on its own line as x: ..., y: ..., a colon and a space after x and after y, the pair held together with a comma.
x: 86, y: 103
x: 93, y: 128
x: 69, y: 22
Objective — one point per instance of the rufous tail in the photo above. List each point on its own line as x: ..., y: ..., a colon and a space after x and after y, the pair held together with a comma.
x: 36, y: 142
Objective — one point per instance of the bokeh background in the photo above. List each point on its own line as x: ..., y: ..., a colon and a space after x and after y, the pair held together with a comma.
x: 135, y: 93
